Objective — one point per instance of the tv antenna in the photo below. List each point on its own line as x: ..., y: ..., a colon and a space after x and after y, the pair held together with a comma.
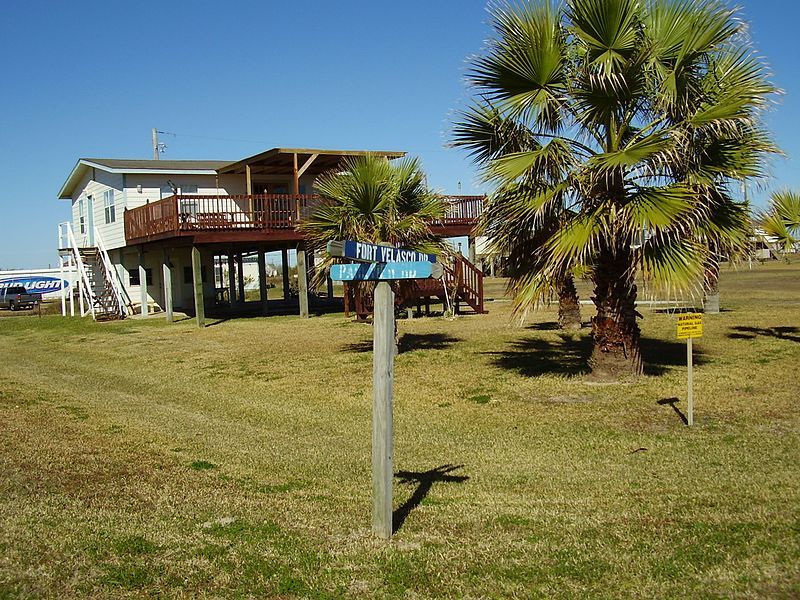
x: 158, y: 148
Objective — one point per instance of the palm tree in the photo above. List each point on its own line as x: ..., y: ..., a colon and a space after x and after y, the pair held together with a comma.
x: 489, y: 135
x: 370, y: 199
x: 642, y: 115
x: 782, y: 221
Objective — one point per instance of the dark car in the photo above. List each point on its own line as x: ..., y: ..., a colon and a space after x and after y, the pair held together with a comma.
x: 17, y: 297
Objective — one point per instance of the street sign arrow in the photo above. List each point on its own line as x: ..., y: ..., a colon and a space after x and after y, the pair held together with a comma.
x: 386, y: 271
x: 364, y: 252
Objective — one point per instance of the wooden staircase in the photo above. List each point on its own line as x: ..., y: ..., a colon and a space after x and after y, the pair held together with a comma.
x: 462, y: 283
x: 104, y: 298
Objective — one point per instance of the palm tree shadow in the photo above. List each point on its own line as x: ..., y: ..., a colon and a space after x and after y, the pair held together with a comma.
x: 750, y: 333
x: 409, y: 342
x: 424, y: 481
x: 532, y: 357
x: 426, y: 341
x: 569, y: 355
x: 545, y: 326
x: 661, y: 356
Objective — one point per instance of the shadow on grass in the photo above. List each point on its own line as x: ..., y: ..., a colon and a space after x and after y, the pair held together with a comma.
x: 672, y: 403
x: 409, y: 342
x: 569, y: 356
x: 424, y: 481
x: 548, y: 326
x: 532, y: 357
x: 750, y: 333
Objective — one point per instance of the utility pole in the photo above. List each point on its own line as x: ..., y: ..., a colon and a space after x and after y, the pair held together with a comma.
x: 155, y: 144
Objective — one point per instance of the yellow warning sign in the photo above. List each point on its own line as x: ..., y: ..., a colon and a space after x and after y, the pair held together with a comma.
x: 690, y: 325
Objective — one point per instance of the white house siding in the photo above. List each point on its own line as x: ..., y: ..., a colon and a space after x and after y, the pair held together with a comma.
x: 95, y: 185
x: 133, y: 190
x: 154, y: 187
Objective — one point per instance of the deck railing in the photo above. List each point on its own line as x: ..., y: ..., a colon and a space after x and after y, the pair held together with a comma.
x: 462, y: 210
x: 184, y: 214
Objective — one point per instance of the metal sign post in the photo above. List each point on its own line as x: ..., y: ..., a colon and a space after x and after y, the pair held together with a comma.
x: 690, y: 326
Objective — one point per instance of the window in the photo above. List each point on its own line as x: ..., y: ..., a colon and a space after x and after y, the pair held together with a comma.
x: 108, y: 206
x: 81, y: 216
x: 133, y: 276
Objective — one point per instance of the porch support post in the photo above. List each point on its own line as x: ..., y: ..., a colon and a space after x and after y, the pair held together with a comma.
x: 296, y: 189
x: 295, y: 175
x: 122, y: 277
x: 302, y: 280
x: 143, y: 284
x: 197, y: 284
x: 472, y: 250
x: 74, y: 278
x: 62, y: 291
x: 249, y: 177
x: 231, y: 278
x: 285, y: 268
x: 262, y: 280
x: 167, y: 272
x: 240, y: 276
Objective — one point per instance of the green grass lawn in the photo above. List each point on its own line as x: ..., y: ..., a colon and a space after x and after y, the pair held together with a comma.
x: 145, y: 460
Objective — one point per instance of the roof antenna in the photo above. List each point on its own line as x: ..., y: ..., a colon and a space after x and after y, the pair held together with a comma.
x: 157, y: 148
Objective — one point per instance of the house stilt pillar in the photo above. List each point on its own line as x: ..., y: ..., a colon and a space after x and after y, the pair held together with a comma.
x: 231, y: 278
x: 142, y: 284
x: 285, y: 268
x: 240, y: 277
x: 167, y: 273
x: 262, y: 280
x: 197, y: 285
x: 302, y: 281
x: 311, y: 270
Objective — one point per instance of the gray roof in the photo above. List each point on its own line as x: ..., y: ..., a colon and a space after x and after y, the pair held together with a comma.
x: 275, y: 160
x: 158, y: 165
x: 122, y: 165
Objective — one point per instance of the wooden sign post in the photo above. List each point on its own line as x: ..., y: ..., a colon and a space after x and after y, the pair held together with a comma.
x: 382, y: 428
x: 382, y: 264
x: 690, y: 326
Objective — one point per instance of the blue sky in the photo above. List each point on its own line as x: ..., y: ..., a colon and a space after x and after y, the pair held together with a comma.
x: 231, y: 79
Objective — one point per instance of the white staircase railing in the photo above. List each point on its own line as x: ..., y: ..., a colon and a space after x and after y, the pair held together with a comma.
x: 112, y: 275
x: 85, y: 291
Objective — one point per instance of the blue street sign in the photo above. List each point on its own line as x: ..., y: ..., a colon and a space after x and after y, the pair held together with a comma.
x: 385, y: 271
x: 372, y: 253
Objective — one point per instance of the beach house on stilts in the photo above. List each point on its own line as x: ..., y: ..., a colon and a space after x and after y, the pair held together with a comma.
x: 165, y: 235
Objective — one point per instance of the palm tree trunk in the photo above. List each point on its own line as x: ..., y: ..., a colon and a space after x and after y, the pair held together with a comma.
x: 616, y: 352
x: 711, y: 287
x: 569, y: 308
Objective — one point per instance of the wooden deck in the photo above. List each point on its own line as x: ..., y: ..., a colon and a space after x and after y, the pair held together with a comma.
x: 257, y: 218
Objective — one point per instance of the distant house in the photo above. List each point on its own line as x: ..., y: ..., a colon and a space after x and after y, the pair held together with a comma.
x: 151, y: 234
